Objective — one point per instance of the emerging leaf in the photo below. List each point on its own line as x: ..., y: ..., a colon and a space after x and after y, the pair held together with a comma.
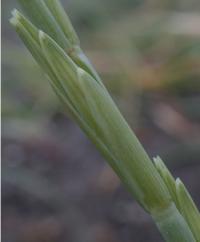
x: 188, y: 209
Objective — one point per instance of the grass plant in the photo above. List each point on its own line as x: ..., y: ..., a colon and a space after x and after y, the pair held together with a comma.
x: 48, y: 34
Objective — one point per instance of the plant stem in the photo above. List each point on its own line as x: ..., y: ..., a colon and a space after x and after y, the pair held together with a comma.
x: 172, y: 225
x: 80, y: 88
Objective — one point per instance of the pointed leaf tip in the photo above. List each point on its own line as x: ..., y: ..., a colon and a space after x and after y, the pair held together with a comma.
x: 178, y: 182
x: 15, y: 12
x: 80, y: 72
x: 158, y: 163
x: 188, y: 209
x: 42, y: 36
x: 14, y: 20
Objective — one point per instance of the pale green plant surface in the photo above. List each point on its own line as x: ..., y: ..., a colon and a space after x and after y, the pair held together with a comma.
x: 181, y: 198
x: 188, y: 209
x: 54, y: 44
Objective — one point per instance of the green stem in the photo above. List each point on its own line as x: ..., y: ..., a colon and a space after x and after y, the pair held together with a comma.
x: 78, y: 85
x: 172, y: 225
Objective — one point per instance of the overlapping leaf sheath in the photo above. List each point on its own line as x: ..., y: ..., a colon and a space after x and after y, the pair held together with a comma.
x: 92, y: 105
x: 181, y: 198
x: 49, y: 16
x: 55, y: 46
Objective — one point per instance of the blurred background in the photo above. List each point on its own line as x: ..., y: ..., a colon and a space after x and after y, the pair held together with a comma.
x: 55, y: 185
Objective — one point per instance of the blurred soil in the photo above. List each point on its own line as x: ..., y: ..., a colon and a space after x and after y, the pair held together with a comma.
x: 56, y: 187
